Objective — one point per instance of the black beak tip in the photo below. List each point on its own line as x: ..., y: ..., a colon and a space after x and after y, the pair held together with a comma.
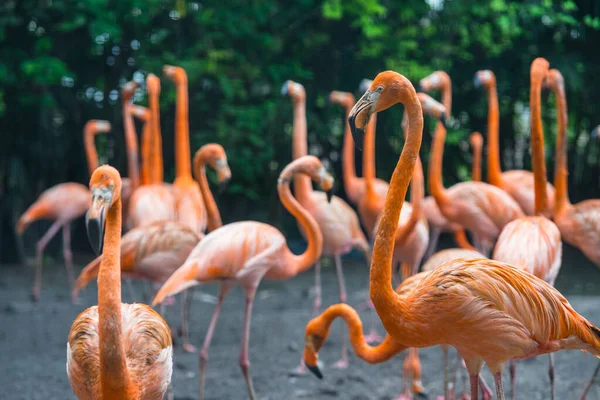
x: 94, y: 233
x: 357, y: 133
x: 315, y: 370
x: 223, y: 185
x: 443, y: 118
x: 422, y: 395
x: 329, y: 195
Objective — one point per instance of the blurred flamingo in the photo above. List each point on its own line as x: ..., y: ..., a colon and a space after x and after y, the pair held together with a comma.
x: 336, y: 219
x: 533, y: 243
x: 245, y: 252
x: 115, y: 350
x: 476, y: 141
x: 62, y: 203
x: 518, y: 183
x: 489, y: 311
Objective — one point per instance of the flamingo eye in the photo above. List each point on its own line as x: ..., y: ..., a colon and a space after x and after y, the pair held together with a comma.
x: 379, y: 89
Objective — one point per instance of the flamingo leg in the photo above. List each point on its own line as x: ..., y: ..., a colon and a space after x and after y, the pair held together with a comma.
x: 474, y: 387
x: 244, y: 359
x: 499, y: 389
x: 343, y: 361
x: 211, y: 327
x: 317, y: 301
x: 39, y: 250
x: 372, y: 336
x: 433, y: 241
x: 446, y: 378
x: 513, y: 373
x: 186, y: 304
x: 590, y: 383
x: 486, y: 392
x: 68, y: 256
x: 551, y: 374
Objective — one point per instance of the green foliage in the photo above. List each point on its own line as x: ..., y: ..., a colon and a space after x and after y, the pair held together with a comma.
x: 61, y: 59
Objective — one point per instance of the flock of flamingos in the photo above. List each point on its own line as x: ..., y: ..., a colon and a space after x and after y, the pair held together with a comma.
x: 492, y: 310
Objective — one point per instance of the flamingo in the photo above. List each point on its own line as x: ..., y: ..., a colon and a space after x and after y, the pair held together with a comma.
x: 336, y: 219
x: 62, y: 203
x: 517, y: 183
x: 318, y: 328
x: 155, y: 201
x: 533, y: 243
x: 131, y: 145
x: 476, y: 141
x: 439, y: 80
x: 145, y: 115
x: 479, y: 207
x: 488, y: 310
x: 190, y: 206
x: 115, y: 350
x: 245, y: 252
x: 579, y: 224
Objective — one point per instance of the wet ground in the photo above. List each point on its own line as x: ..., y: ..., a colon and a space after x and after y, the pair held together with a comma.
x: 33, y: 340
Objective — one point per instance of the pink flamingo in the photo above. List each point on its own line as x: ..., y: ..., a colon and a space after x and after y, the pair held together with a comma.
x: 533, y: 243
x: 63, y: 203
x: 518, y: 183
x: 336, y: 219
x: 245, y: 252
x: 476, y: 141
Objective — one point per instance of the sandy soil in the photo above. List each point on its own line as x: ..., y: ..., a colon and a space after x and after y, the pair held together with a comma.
x: 33, y: 341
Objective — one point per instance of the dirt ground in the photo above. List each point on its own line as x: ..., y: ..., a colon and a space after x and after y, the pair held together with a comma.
x: 33, y: 340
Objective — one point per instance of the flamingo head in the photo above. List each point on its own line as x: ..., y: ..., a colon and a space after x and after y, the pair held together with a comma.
x: 344, y: 99
x: 485, y: 78
x: 295, y: 90
x: 433, y: 81
x: 214, y: 155
x: 317, y: 331
x: 105, y: 185
x: 432, y: 107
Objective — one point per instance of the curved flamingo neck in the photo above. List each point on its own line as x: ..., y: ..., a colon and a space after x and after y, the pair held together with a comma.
x: 351, y: 181
x: 371, y: 354
x: 114, y: 375
x: 183, y: 166
x: 388, y: 304
x: 314, y: 236
x: 537, y: 137
x: 156, y: 160
x: 436, y: 186
x: 369, y: 154
x: 493, y: 133
x: 131, y: 145
x: 89, y: 133
x: 212, y: 211
x: 302, y: 183
x: 476, y: 167
x: 147, y: 144
x: 561, y: 193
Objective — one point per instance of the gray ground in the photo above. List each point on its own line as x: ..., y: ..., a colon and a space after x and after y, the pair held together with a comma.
x: 33, y: 341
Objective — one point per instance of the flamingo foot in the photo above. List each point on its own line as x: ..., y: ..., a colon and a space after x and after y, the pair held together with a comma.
x: 299, y: 370
x: 403, y: 396
x: 341, y: 364
x: 35, y: 294
x: 373, y: 337
x: 465, y: 396
x: 169, y: 301
x: 188, y: 348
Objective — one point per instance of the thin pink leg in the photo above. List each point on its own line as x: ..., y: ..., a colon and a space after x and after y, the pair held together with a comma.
x: 433, y: 241
x: 499, y: 388
x: 68, y: 256
x: 244, y: 359
x: 512, y: 369
x: 486, y: 391
x: 317, y: 301
x: 372, y: 336
x: 343, y: 361
x: 590, y: 383
x: 211, y: 327
x: 186, y: 303
x: 39, y: 250
x: 474, y: 387
x: 551, y: 374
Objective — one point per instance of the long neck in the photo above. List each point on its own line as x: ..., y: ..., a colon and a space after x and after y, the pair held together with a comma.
x: 561, y: 193
x: 157, y: 174
x: 476, y: 167
x: 132, y: 147
x: 351, y: 181
x: 90, y: 150
x: 388, y: 304
x: 302, y: 184
x: 315, y: 239
x: 447, y: 98
x: 537, y: 146
x: 147, y: 153
x: 369, y: 155
x: 417, y: 192
x: 212, y: 211
x: 436, y: 187
x: 493, y: 156
x: 114, y: 375
x: 183, y: 166
x: 371, y: 354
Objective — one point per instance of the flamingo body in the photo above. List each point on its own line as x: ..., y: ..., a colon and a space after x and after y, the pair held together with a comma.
x: 579, y: 225
x: 151, y: 203
x: 519, y: 185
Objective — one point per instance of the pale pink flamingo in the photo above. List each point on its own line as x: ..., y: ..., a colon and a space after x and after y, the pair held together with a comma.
x: 62, y: 203
x: 533, y: 243
x: 245, y: 252
x: 115, y: 350
x: 336, y: 219
x: 517, y: 183
x: 489, y: 311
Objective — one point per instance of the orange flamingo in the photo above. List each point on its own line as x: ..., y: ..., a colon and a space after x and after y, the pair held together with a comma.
x: 579, y: 224
x: 191, y: 210
x: 245, y: 252
x: 518, y: 183
x: 336, y: 219
x: 131, y: 145
x: 476, y: 141
x: 145, y: 115
x: 488, y: 310
x: 63, y: 203
x: 533, y: 243
x: 439, y: 80
x: 155, y: 201
x: 479, y: 207
x: 116, y: 350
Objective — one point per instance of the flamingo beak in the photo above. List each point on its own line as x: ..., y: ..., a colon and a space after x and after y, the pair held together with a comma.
x: 359, y: 118
x: 595, y: 133
x: 476, y: 81
x: 95, y: 218
x: 223, y: 174
x: 315, y: 370
x: 329, y: 195
x: 443, y: 118
x: 285, y: 88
